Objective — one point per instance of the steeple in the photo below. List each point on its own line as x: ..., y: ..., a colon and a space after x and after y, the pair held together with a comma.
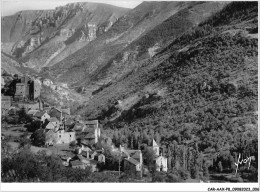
x: 155, y: 144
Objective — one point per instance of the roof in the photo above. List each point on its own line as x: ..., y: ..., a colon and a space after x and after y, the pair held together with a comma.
x: 32, y: 112
x: 90, y: 136
x: 84, y: 142
x: 136, y: 155
x: 53, y: 119
x: 76, y: 163
x: 49, y: 124
x: 69, y: 122
x: 132, y: 161
x: 78, y: 126
x: 39, y: 113
x: 66, y: 110
x: 155, y: 144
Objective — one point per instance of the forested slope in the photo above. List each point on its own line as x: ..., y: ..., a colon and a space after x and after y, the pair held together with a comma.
x: 197, y: 97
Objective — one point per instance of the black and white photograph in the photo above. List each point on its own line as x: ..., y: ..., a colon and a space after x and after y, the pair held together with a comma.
x: 129, y: 92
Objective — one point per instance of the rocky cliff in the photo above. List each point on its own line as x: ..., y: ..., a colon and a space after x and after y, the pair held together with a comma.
x: 37, y: 37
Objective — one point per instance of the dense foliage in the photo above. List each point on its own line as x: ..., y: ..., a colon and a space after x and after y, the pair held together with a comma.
x: 207, y: 117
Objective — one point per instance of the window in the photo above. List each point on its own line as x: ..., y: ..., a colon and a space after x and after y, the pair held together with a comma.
x: 70, y: 135
x: 59, y: 136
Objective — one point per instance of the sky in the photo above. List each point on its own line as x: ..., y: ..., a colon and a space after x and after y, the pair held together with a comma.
x: 10, y: 7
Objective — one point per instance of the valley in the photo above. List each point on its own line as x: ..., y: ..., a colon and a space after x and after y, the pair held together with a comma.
x: 182, y: 76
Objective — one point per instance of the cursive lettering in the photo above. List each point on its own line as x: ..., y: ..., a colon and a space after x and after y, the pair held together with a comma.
x: 248, y: 159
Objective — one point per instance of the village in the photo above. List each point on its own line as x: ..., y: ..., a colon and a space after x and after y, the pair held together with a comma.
x: 78, y: 143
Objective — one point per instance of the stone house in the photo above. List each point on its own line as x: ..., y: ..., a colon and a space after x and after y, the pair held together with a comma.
x: 59, y: 137
x: 54, y: 121
x: 59, y: 113
x: 132, y: 166
x: 160, y: 163
x: 86, y: 162
x: 100, y: 158
x: 93, y: 131
x: 41, y: 115
x: 50, y: 126
x: 79, y: 126
x: 69, y: 124
x: 77, y: 164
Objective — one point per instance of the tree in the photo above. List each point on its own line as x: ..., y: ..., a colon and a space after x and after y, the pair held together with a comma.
x: 149, y: 157
x: 33, y: 126
x: 23, y: 117
x: 38, y: 138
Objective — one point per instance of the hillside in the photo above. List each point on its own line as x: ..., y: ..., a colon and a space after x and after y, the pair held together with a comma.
x: 10, y: 65
x: 129, y: 42
x: 37, y: 37
x: 199, y: 90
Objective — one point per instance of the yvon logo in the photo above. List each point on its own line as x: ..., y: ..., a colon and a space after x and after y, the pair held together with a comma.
x: 245, y: 161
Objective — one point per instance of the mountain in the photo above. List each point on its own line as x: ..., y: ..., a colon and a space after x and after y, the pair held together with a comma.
x: 37, y: 37
x: 10, y: 65
x: 197, y: 97
x: 132, y: 39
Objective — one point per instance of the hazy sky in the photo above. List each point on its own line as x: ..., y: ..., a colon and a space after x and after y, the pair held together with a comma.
x: 9, y: 7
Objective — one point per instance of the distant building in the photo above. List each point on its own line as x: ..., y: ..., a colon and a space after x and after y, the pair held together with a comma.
x: 59, y: 137
x: 54, y: 121
x: 156, y: 148
x: 77, y: 164
x: 133, y: 161
x: 160, y: 162
x: 69, y: 124
x: 41, y: 115
x: 59, y: 113
x: 79, y: 127
x: 93, y: 131
x: 32, y: 112
x: 132, y: 166
x: 84, y: 162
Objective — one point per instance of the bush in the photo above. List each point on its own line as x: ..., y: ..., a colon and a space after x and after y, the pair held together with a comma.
x: 184, y: 174
x: 33, y: 126
x: 171, y: 178
x: 159, y: 177
x: 38, y: 138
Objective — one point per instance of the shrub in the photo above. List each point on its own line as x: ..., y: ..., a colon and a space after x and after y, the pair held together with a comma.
x: 184, y: 174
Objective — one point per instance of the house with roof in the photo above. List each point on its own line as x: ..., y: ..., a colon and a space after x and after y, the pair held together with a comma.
x: 32, y: 112
x: 53, y: 124
x: 53, y: 137
x: 132, y: 166
x: 156, y: 148
x: 77, y: 164
x: 78, y: 126
x: 92, y: 131
x: 133, y: 161
x: 100, y: 157
x: 41, y: 115
x: 54, y: 121
x: 86, y: 162
x: 69, y: 123
x: 59, y: 113
x: 160, y: 162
